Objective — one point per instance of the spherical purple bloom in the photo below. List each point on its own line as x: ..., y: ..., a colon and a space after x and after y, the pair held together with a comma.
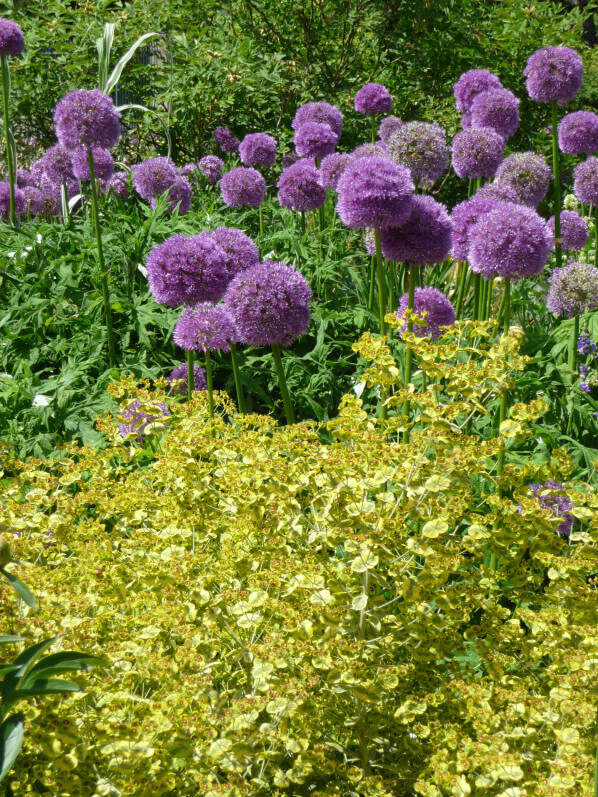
x: 181, y: 373
x: 226, y: 140
x: 472, y: 83
x: 269, y: 304
x: 370, y: 148
x: 463, y: 217
x: 25, y: 178
x: 11, y: 38
x: 241, y: 253
x: 258, y: 149
x: 57, y: 163
x: 551, y: 495
x: 315, y: 140
x: 103, y: 164
x: 299, y: 187
x: 205, y: 327
x: 289, y: 158
x: 243, y: 186
x: 139, y: 416
x: 190, y: 170
x: 585, y: 184
x: 86, y: 119
x: 553, y: 73
x: 437, y: 307
x: 42, y: 203
x: 154, y: 177
x: 573, y: 289
x: 20, y: 203
x: 574, y: 232
x: 373, y: 98
x: 374, y: 192
x: 421, y: 147
x: 466, y: 121
x: 388, y: 127
x: 498, y: 191
x: 331, y: 168
x: 510, y: 241
x: 477, y: 153
x: 425, y: 238
x: 211, y: 167
x: 185, y: 270
x: 118, y: 184
x: 321, y: 112
x: 528, y: 175
x: 497, y: 109
x: 179, y: 197
x: 578, y: 133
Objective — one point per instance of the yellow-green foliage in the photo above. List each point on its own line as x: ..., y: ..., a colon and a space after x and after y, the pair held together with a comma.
x: 309, y: 610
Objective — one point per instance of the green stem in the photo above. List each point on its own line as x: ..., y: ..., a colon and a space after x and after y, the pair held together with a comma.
x: 237, y: 375
x: 461, y: 292
x: 190, y: 375
x: 5, y: 119
x: 573, y: 347
x: 282, y: 382
x: 390, y: 268
x: 409, y: 352
x: 503, y: 397
x: 477, y: 282
x: 303, y: 224
x: 210, y: 382
x: 557, y: 186
x: 374, y: 131
x: 489, y: 299
x: 372, y: 282
x: 596, y: 237
x: 261, y: 215
x: 381, y: 284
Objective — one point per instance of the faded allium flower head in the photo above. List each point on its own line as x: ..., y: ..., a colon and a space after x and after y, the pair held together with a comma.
x: 269, y: 304
x: 472, y: 83
x: 178, y: 379
x: 103, y: 164
x: 551, y: 495
x: 331, y: 168
x: 573, y: 289
x: 299, y: 187
x: 373, y: 98
x: 497, y: 109
x: 527, y: 175
x: 574, y: 231
x: 243, y: 186
x: 185, y: 270
x: 553, y: 73
x: 463, y: 218
x: 421, y: 147
x: 321, y: 112
x: 585, y: 184
x: 11, y: 38
x: 241, y: 253
x: 370, y: 148
x: 226, y: 140
x: 211, y: 167
x: 20, y: 203
x: 140, y: 415
x: 258, y: 149
x: 431, y: 305
x: 57, y: 163
x: 477, y: 153
x: 510, y: 241
x: 85, y: 119
x: 388, y: 127
x: 205, y: 327
x: 578, y: 133
x: 369, y: 241
x: 118, y: 184
x: 315, y: 140
x: 289, y: 158
x: 154, y: 177
x: 374, y: 192
x: 424, y: 239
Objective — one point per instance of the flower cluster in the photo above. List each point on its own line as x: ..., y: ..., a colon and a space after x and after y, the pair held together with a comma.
x: 258, y: 149
x: 299, y: 187
x: 497, y: 109
x: 103, y: 164
x: 226, y: 140
x: 527, y: 175
x: 578, y: 133
x: 320, y: 112
x: 477, y: 153
x: 315, y: 140
x: 585, y: 185
x: 422, y: 148
x: 205, y: 327
x: 424, y: 239
x: 178, y: 379
x: 373, y: 98
x: 11, y: 38
x: 574, y: 231
x: 472, y: 83
x: 433, y: 307
x: 85, y: 119
x: 573, y: 289
x: 139, y: 416
x: 211, y: 167
x: 552, y: 495
x: 241, y: 253
x: 464, y: 217
x: 374, y: 192
x: 243, y: 186
x: 331, y: 168
x: 388, y: 126
x: 553, y: 74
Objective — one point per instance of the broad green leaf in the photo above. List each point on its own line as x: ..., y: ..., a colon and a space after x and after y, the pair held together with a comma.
x: 20, y: 588
x: 12, y: 732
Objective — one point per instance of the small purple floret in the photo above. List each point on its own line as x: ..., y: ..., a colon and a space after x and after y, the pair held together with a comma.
x: 551, y: 495
x: 20, y: 202
x: 139, y: 417
x: 226, y: 140
x: 181, y: 373
x: 331, y: 168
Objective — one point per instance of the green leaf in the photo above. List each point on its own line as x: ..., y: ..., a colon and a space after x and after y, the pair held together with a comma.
x: 44, y: 686
x: 133, y: 106
x: 12, y: 732
x: 8, y: 639
x: 25, y: 660
x: 20, y: 588
x: 64, y: 661
x: 117, y: 71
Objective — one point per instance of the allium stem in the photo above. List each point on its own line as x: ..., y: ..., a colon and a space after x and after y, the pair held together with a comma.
x: 303, y: 223
x: 503, y: 396
x: 557, y: 186
x: 596, y: 237
x: 237, y: 375
x: 409, y: 352
x: 373, y: 121
x: 282, y: 382
x: 101, y: 265
x: 190, y: 375
x: 261, y: 215
x: 5, y: 120
x: 210, y: 383
x: 372, y: 282
x: 573, y: 346
x: 381, y: 283
x: 477, y: 283
x: 461, y: 292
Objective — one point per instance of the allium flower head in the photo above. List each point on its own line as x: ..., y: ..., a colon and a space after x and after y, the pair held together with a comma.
x: 573, y: 289
x: 118, y: 184
x: 510, y: 241
x: 211, y: 167
x: 154, y: 177
x: 140, y: 416
x: 574, y: 231
x: 585, y: 184
x: 497, y: 109
x: 226, y: 140
x: 85, y: 119
x: 388, y: 126
x: 20, y: 203
x: 370, y: 148
x: 477, y: 153
x: 438, y: 310
x: 424, y: 239
x: 241, y: 253
x: 421, y: 147
x: 179, y: 196
x: 498, y: 191
x: 463, y: 217
x: 551, y: 495
x: 374, y: 192
x: 269, y: 304
x: 299, y: 187
x: 11, y: 38
x: 527, y: 175
x: 103, y: 164
x: 178, y: 379
x: 373, y: 98
x: 243, y: 186
x: 24, y: 178
x: 289, y: 158
x: 578, y: 133
x: 331, y: 168
x: 315, y: 140
x: 472, y: 83
x: 185, y: 270
x: 258, y: 149
x: 553, y: 73
x: 57, y: 163
x: 321, y: 112
x: 205, y: 327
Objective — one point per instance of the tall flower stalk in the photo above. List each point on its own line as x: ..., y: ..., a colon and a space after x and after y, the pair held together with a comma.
x: 557, y: 187
x: 237, y: 375
x: 8, y: 137
x: 282, y: 383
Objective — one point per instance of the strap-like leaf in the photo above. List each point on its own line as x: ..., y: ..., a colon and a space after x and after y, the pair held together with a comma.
x: 25, y: 660
x: 44, y: 686
x: 110, y: 84
x: 6, y: 668
x: 20, y: 588
x: 8, y: 639
x: 104, y: 48
x: 12, y: 732
x: 64, y: 661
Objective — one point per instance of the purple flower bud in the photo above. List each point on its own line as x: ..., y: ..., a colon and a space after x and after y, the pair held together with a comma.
x: 374, y: 192
x: 553, y: 73
x: 315, y: 140
x: 140, y: 416
x: 431, y: 305
x: 86, y: 119
x: 243, y: 186
x: 103, y: 164
x: 477, y: 153
x: 11, y: 38
x: 424, y: 239
x: 226, y: 140
x: 464, y: 217
x: 578, y: 133
x: 527, y: 175
x: 573, y: 289
x: 258, y: 149
x: 388, y: 126
x: 181, y: 373
x: 373, y: 98
x: 574, y: 232
x: 421, y: 147
x: 331, y: 168
x: 497, y: 109
x: 205, y: 327
x: 321, y: 112
x: 211, y: 167
x: 20, y: 203
x: 472, y: 83
x: 241, y: 253
x: 585, y: 185
x: 299, y: 187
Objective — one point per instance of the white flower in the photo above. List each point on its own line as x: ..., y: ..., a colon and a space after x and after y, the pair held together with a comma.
x: 142, y: 269
x: 40, y: 400
x: 359, y: 388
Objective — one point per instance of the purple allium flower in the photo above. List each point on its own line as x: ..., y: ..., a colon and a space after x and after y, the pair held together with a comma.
x: 477, y: 153
x: 498, y: 191
x: 373, y: 98
x: 370, y: 148
x: 466, y: 121
x: 139, y: 416
x: 179, y: 196
x: 497, y: 109
x: 574, y: 232
x: 154, y: 177
x: 243, y: 186
x: 578, y: 133
x: 205, y: 327
x: 527, y: 175
x: 510, y: 241
x: 315, y: 140
x: 185, y: 270
x: 551, y: 495
x: 180, y: 373
x: 585, y: 185
x: 464, y: 216
x: 331, y: 168
x: 24, y: 178
x: 269, y: 304
x: 226, y: 140
x: 87, y: 119
x: 289, y: 158
x: 241, y: 253
x: 211, y: 167
x: 299, y: 187
x: 103, y: 164
x: 424, y: 239
x: 573, y: 289
x: 34, y: 198
x: 190, y: 169
x: 439, y: 310
x: 374, y: 192
x: 20, y: 203
x: 553, y: 73
x: 11, y: 38
x: 586, y: 345
x: 321, y: 112
x: 472, y: 83
x: 43, y: 202
x: 258, y: 149
x: 421, y: 147
x: 118, y: 184
x: 57, y: 163
x: 388, y: 126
